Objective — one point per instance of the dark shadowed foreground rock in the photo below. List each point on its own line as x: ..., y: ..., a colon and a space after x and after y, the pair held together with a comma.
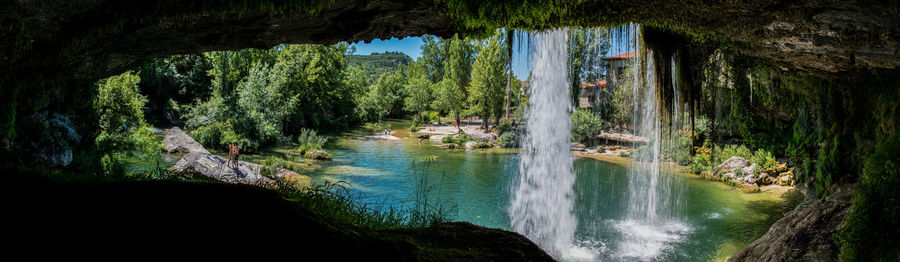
x: 806, y: 233
x: 156, y: 218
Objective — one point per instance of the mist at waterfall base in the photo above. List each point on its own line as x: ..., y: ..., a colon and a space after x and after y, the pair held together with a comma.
x: 541, y: 205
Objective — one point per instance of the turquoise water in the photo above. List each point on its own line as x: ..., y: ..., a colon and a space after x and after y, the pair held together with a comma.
x: 716, y: 221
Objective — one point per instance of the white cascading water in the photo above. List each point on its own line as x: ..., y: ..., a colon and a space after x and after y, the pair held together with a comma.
x: 541, y: 207
x: 650, y: 227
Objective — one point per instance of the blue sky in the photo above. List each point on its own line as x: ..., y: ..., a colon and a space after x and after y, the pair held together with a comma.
x: 411, y: 46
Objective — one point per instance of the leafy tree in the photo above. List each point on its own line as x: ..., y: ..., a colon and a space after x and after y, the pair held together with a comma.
x: 435, y: 53
x: 489, y: 79
x: 123, y: 131
x: 461, y: 52
x: 586, y: 48
x: 419, y: 93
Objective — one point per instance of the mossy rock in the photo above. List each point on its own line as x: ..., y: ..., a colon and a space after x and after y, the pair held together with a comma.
x: 317, y: 155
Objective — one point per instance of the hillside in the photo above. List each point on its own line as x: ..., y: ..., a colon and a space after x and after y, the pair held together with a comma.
x: 380, y: 63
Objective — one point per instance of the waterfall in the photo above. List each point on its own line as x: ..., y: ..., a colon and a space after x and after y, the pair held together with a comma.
x: 650, y: 226
x: 541, y: 207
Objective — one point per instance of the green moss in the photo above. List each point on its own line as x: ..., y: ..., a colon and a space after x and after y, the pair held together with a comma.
x: 874, y: 220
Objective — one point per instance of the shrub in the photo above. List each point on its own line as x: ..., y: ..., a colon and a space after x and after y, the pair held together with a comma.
x: 483, y: 145
x: 219, y: 135
x: 585, y: 125
x: 448, y: 140
x: 700, y: 162
x: 271, y: 166
x: 414, y: 128
x: 309, y: 141
x: 764, y: 159
x: 508, y: 140
x: 504, y: 126
x: 729, y: 151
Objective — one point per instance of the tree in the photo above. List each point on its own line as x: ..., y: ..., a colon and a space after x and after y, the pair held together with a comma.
x: 459, y: 68
x: 123, y: 130
x: 488, y: 77
x: 449, y: 97
x: 435, y: 53
x: 420, y: 97
x: 586, y: 48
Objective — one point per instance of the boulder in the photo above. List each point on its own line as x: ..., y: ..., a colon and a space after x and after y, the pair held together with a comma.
x: 749, y: 187
x: 804, y: 234
x: 730, y: 176
x: 471, y: 145
x: 577, y: 147
x: 317, y: 155
x: 764, y: 179
x: 707, y: 174
x: 177, y: 141
x: 752, y: 169
x: 54, y: 150
x: 214, y: 166
x: 749, y: 179
x: 732, y: 164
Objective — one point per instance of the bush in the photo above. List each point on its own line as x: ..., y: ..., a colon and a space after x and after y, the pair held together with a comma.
x: 729, y: 151
x: 504, y: 126
x: 448, y: 140
x: 219, y: 135
x: 483, y: 145
x: 309, y: 141
x: 764, y: 159
x: 585, y: 125
x: 700, y: 162
x: 508, y: 140
x: 271, y: 166
x: 459, y: 139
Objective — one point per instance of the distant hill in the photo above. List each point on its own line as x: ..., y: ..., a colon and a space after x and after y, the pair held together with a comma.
x: 380, y: 63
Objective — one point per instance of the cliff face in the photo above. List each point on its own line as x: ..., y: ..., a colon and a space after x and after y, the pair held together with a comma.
x: 90, y: 39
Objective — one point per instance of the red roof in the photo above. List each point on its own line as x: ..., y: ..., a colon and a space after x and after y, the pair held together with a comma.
x: 524, y: 83
x: 622, y: 56
x: 601, y: 83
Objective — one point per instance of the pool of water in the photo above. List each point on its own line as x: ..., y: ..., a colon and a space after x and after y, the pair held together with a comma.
x: 715, y: 222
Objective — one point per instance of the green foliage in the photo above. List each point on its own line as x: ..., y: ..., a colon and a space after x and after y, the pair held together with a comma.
x: 504, y: 126
x: 309, y: 141
x: 377, y: 64
x: 621, y: 111
x: 219, y: 135
x: 700, y: 162
x: 271, y: 166
x: 722, y: 154
x: 585, y: 125
x: 874, y: 219
x: 764, y: 159
x: 508, y: 140
x: 459, y: 139
x: 267, y: 96
x: 386, y: 98
x: 586, y: 48
x: 486, y: 95
x: 123, y: 131
x: 435, y: 52
x: 419, y: 97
